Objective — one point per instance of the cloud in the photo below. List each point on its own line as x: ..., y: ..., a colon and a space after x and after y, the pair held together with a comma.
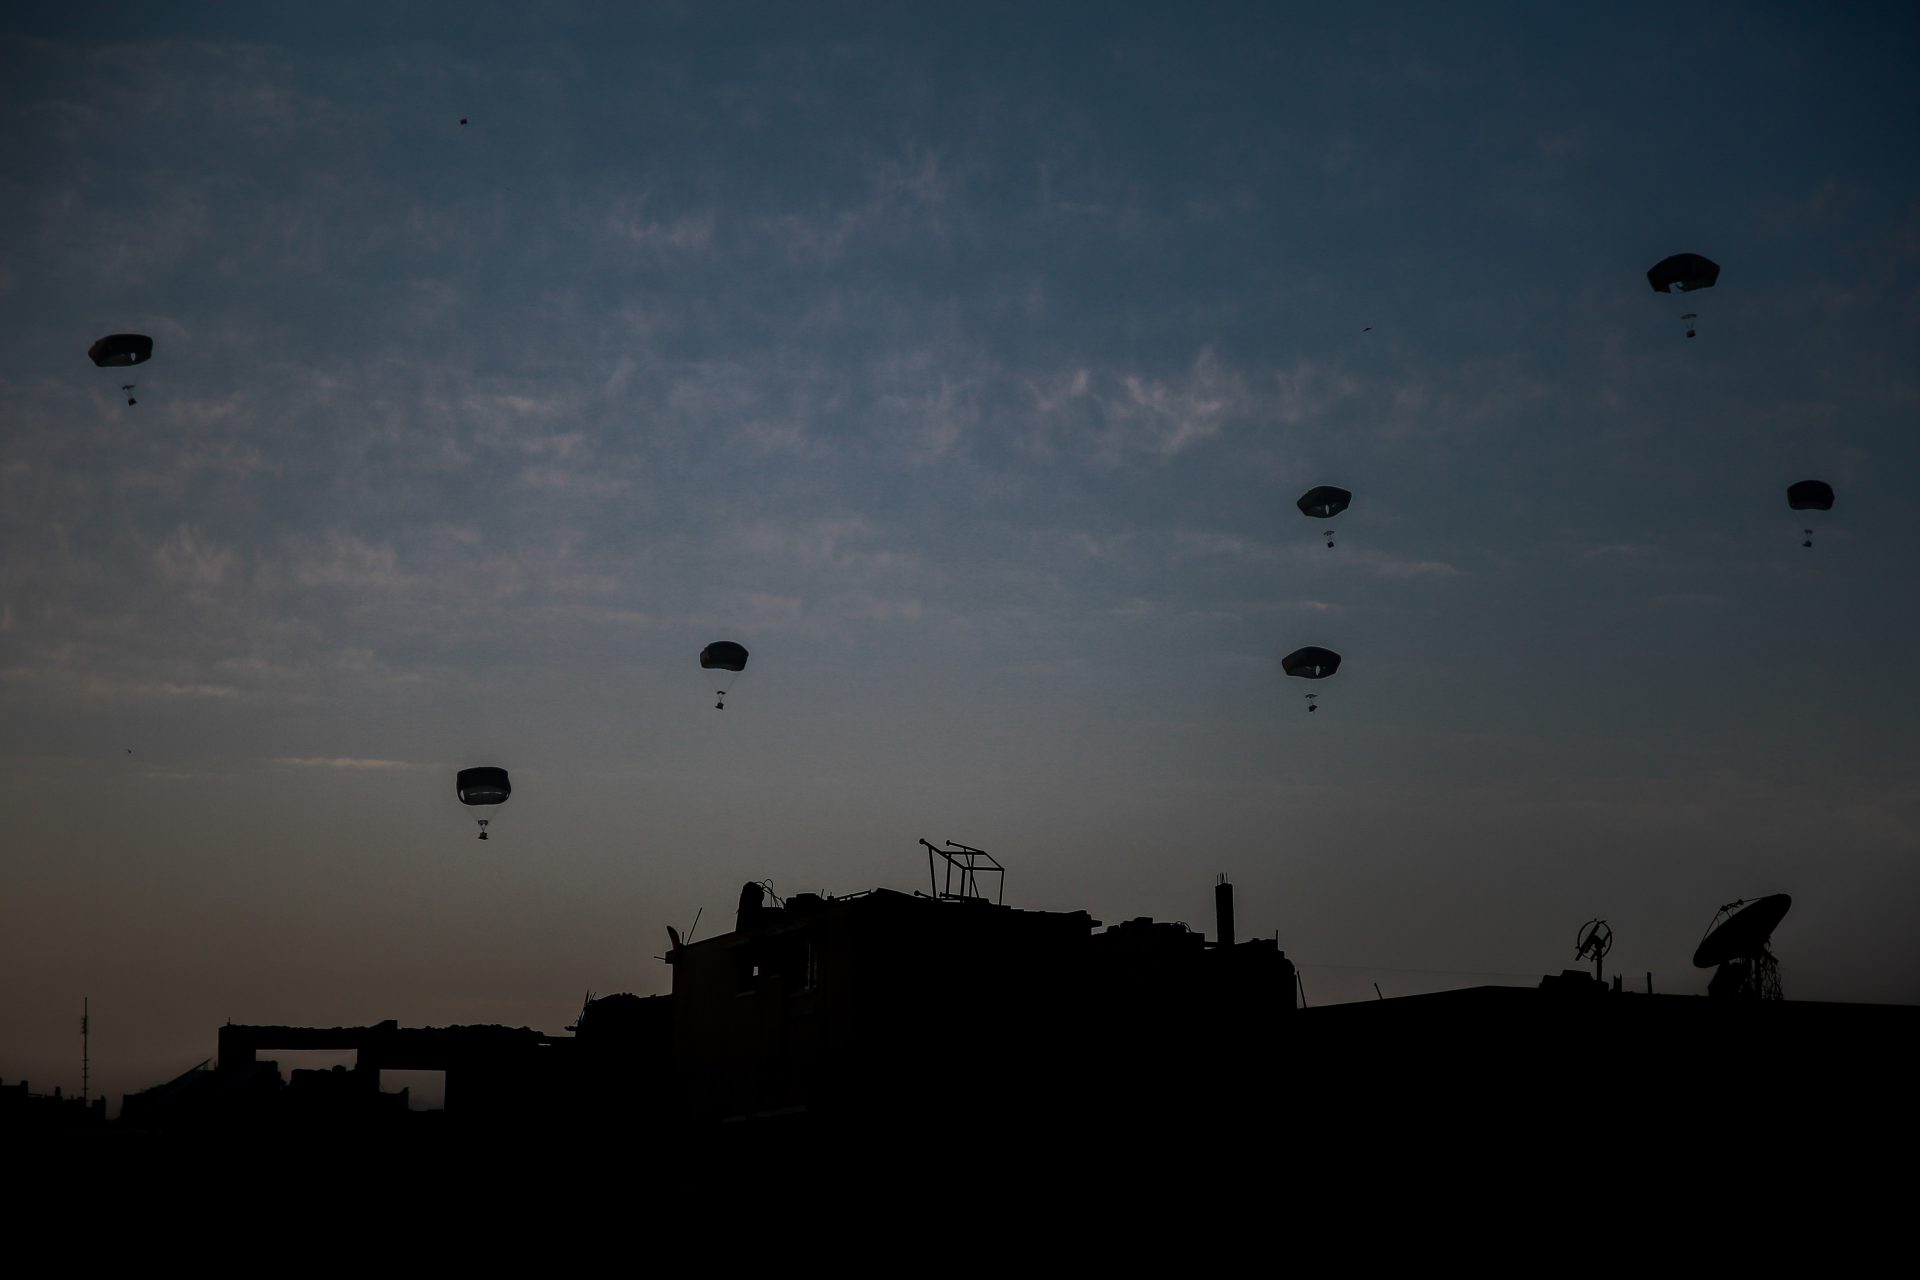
x: 630, y: 223
x: 571, y: 481
x: 1130, y: 413
x: 189, y: 559
x: 1705, y: 598
x: 830, y: 543
x: 862, y: 607
x: 84, y: 684
x: 935, y: 415
x: 350, y: 763
x: 1383, y: 565
x: 919, y: 176
x: 1209, y: 542
x: 1117, y: 416
x: 346, y: 562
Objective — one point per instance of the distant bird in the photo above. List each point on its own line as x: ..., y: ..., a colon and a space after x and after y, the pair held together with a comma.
x: 1368, y: 329
x: 463, y: 119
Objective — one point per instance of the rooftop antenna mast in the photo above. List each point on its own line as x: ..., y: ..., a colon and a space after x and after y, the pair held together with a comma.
x: 1595, y: 939
x: 86, y: 1062
x: 966, y: 864
x: 675, y: 941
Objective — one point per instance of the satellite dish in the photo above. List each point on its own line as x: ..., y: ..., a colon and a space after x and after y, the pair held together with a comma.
x: 1744, y: 934
x: 1593, y: 942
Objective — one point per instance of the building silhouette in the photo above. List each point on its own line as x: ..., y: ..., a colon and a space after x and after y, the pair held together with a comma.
x: 943, y: 1017
x: 22, y: 1110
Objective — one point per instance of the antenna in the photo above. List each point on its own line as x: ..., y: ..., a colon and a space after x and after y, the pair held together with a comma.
x: 967, y: 864
x: 1223, y: 914
x: 86, y: 1062
x: 1595, y: 939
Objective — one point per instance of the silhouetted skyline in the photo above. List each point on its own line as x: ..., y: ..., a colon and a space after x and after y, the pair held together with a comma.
x: 966, y: 368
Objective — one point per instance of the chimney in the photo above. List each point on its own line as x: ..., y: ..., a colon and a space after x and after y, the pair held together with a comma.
x: 1223, y: 912
x: 751, y: 896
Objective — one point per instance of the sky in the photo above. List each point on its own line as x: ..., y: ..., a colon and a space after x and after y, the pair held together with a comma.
x: 964, y: 363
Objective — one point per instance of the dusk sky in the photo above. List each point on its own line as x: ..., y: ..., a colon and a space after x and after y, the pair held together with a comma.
x: 963, y: 362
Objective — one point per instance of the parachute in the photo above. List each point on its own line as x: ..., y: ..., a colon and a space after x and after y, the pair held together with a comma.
x: 117, y: 350
x: 1810, y: 495
x: 1324, y: 502
x: 723, y: 655
x: 1311, y: 663
x: 1683, y: 273
x: 485, y: 788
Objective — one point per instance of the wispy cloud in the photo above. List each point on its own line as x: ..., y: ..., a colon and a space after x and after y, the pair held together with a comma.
x: 190, y: 560
x: 357, y: 764
x: 1384, y: 565
x: 90, y: 685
